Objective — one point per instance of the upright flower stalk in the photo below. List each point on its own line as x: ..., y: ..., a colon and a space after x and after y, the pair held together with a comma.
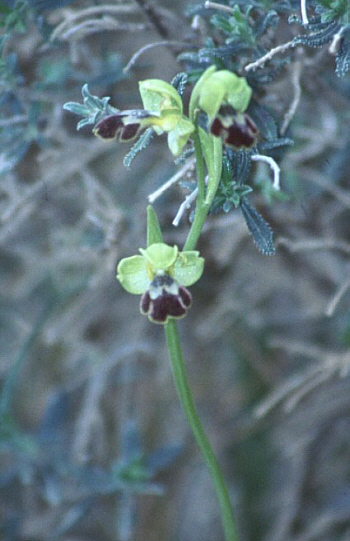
x: 157, y: 298
x: 202, y: 208
x: 154, y: 239
x: 161, y: 273
x: 189, y: 408
x: 208, y: 153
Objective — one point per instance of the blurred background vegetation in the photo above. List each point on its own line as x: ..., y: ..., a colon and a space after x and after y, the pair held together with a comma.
x: 93, y: 443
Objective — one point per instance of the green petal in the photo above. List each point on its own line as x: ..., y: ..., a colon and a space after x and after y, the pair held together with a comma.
x: 188, y: 268
x: 160, y: 256
x: 132, y: 274
x: 157, y: 95
x: 178, y: 137
x: 236, y: 90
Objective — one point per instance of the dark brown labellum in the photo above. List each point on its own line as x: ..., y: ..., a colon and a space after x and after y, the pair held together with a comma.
x: 237, y: 129
x: 145, y: 303
x: 165, y: 298
x: 125, y: 125
x: 109, y: 127
x: 129, y: 132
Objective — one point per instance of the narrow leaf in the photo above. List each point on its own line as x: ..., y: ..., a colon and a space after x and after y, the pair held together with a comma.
x: 140, y: 144
x: 259, y: 228
x: 76, y: 108
x: 343, y: 56
x: 318, y: 39
x: 180, y: 81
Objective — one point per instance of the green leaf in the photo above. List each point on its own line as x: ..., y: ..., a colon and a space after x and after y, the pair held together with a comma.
x: 259, y: 228
x: 85, y: 122
x: 91, y: 101
x: 140, y: 144
x: 264, y: 120
x: 318, y: 39
x: 179, y: 82
x: 93, y: 109
x: 15, y: 19
x: 343, y: 56
x: 76, y: 108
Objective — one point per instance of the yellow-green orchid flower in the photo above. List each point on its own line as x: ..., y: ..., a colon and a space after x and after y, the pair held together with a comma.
x: 160, y: 274
x: 224, y: 97
x: 162, y: 111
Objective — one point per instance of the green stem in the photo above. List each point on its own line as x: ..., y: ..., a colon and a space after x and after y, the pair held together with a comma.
x: 202, y: 208
x: 204, y: 201
x: 196, y: 228
x: 193, y: 419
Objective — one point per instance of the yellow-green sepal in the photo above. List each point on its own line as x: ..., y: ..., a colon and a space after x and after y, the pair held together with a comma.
x: 157, y: 95
x: 216, y: 88
x: 224, y: 87
x: 132, y: 274
x: 136, y: 273
x: 200, y: 84
x: 162, y: 99
x: 160, y: 256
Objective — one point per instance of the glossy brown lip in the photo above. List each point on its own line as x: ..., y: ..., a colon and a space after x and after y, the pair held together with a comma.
x: 109, y: 127
x: 125, y: 125
x: 238, y: 131
x: 114, y: 126
x: 165, y: 303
